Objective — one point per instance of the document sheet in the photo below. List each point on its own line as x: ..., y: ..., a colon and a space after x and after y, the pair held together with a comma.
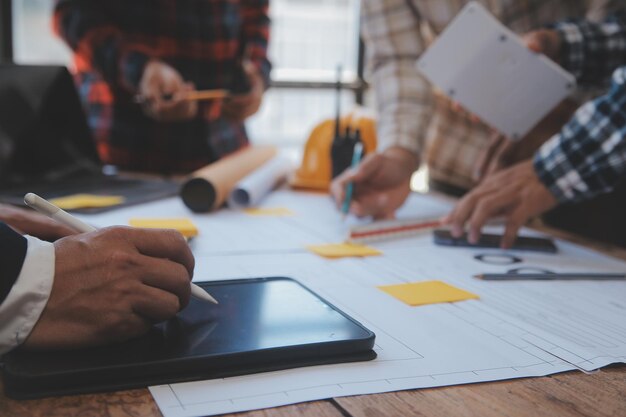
x: 515, y: 329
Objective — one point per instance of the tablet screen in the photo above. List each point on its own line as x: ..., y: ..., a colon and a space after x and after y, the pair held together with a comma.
x: 255, y: 315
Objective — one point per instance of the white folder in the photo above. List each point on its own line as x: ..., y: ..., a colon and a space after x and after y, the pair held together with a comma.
x: 484, y: 66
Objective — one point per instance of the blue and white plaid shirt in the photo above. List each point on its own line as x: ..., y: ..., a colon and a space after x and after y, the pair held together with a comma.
x: 588, y: 156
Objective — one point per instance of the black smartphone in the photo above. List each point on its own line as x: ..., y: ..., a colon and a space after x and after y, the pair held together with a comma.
x: 539, y: 244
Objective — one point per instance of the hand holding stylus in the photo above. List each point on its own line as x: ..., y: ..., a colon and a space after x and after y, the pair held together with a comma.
x: 108, y: 285
x: 45, y: 207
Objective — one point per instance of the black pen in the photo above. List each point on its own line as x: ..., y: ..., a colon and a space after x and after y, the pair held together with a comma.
x: 591, y: 276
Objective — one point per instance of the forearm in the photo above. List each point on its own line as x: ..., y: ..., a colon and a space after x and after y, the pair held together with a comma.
x: 403, y: 97
x: 588, y: 157
x: 592, y: 51
x: 92, y: 33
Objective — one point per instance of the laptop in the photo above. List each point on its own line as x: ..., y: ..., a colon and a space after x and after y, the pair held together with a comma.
x: 46, y: 146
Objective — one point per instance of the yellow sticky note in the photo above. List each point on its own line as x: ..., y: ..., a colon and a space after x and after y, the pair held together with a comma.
x: 427, y: 292
x: 275, y: 211
x: 343, y: 250
x: 183, y: 225
x: 78, y: 201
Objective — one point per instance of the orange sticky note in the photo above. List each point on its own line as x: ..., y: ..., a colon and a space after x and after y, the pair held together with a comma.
x: 427, y: 292
x: 183, y: 225
x: 343, y: 250
x: 79, y: 201
x: 275, y: 211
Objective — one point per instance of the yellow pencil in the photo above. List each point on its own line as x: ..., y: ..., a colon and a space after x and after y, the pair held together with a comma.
x: 200, y: 95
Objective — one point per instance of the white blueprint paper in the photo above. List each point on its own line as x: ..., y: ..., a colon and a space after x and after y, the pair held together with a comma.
x: 254, y: 187
x: 516, y: 329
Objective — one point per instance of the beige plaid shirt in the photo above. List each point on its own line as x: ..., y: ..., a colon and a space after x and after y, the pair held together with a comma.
x: 411, y: 113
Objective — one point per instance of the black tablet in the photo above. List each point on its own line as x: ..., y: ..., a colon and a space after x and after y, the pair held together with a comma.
x: 260, y: 324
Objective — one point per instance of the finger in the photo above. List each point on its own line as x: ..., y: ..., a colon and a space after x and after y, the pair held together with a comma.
x: 337, y: 192
x: 386, y: 213
x: 462, y: 212
x: 131, y: 325
x: 170, y: 99
x: 464, y: 208
x: 189, y: 87
x: 533, y: 42
x: 151, y: 90
x: 42, y: 228
x: 136, y: 325
x: 161, y: 243
x: 168, y: 276
x: 173, y: 84
x: 339, y: 184
x: 373, y: 204
x: 518, y: 217
x: 488, y: 207
x: 370, y: 165
x: 164, y: 89
x: 155, y: 304
x: 51, y: 232
x: 347, y: 176
x: 544, y: 41
x: 357, y: 176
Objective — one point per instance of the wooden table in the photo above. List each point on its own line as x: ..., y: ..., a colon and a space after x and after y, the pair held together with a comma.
x: 603, y: 393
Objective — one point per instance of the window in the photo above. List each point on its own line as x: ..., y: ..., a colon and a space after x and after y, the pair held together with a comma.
x: 33, y: 40
x: 309, y: 39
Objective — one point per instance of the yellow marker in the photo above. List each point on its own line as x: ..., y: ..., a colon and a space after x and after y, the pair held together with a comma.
x: 79, y: 201
x: 427, y: 292
x: 183, y: 225
x: 343, y: 250
x: 276, y: 212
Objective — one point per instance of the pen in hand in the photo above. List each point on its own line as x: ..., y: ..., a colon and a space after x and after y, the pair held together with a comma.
x: 45, y: 207
x: 356, y: 158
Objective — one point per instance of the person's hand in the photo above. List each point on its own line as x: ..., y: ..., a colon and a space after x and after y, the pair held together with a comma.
x: 240, y: 107
x: 111, y: 285
x: 381, y: 183
x: 501, y: 152
x: 545, y: 41
x: 515, y: 193
x: 163, y: 90
x: 29, y: 222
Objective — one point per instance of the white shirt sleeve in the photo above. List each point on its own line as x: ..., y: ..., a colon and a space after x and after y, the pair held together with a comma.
x: 29, y: 295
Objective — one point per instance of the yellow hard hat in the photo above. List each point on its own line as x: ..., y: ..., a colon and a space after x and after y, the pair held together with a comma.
x: 315, y: 173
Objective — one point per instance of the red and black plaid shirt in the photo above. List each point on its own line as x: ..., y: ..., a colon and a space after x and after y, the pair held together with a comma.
x: 205, y: 40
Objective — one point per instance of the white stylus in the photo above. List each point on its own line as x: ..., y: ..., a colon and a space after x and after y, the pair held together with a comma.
x: 45, y: 207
